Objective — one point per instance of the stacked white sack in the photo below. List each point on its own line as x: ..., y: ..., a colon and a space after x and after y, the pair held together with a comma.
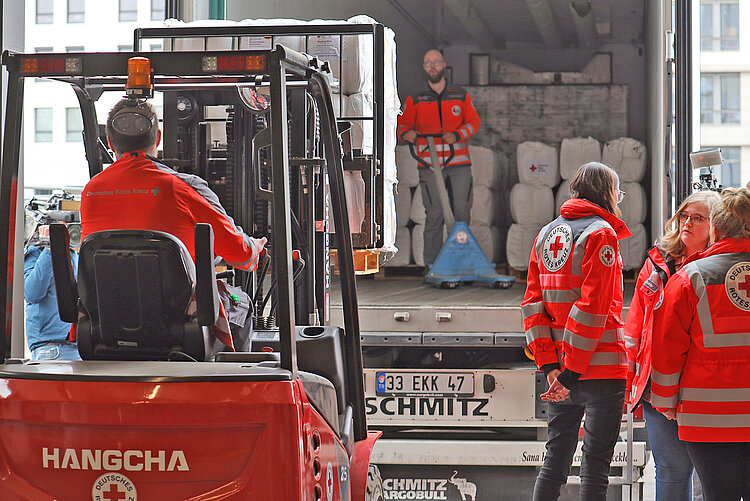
x: 627, y: 157
x: 403, y: 244
x: 520, y: 242
x: 403, y: 205
x: 486, y: 206
x: 532, y: 204
x: 489, y: 239
x: 354, y: 188
x: 360, y: 105
x: 633, y: 206
x: 417, y: 213
x: 417, y: 244
x: 577, y: 151
x: 633, y: 249
x: 537, y: 164
x: 488, y: 168
x: 562, y: 195
x: 408, y: 171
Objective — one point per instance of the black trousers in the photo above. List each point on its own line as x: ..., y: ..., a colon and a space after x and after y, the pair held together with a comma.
x: 602, y: 401
x: 724, y: 469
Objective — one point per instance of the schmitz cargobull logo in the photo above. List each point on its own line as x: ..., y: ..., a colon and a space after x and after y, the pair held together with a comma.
x: 431, y: 488
x: 556, y: 247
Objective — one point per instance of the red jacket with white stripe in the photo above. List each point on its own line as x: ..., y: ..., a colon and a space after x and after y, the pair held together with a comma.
x: 137, y: 192
x: 649, y: 290
x: 573, y: 299
x: 433, y: 113
x: 701, y: 354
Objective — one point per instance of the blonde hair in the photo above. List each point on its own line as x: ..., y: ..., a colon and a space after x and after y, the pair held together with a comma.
x: 731, y: 216
x: 598, y: 184
x: 671, y: 242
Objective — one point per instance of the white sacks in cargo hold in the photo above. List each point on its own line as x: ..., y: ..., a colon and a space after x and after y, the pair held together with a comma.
x: 486, y: 206
x: 403, y: 205
x: 537, y: 164
x: 562, y: 195
x: 633, y: 206
x: 627, y: 157
x: 577, y: 151
x: 488, y: 168
x: 406, y: 165
x: 532, y: 204
x: 489, y: 239
x: 633, y: 249
x: 520, y: 242
x: 403, y: 244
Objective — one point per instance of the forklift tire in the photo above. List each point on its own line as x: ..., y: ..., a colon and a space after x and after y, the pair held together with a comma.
x: 375, y: 491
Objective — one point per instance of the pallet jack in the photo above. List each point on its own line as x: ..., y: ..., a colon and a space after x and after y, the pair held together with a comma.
x: 461, y: 259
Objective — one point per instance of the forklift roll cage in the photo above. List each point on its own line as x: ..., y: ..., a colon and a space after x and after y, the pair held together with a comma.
x: 93, y: 73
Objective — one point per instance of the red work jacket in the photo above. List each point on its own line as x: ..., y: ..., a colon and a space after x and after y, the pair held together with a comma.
x: 701, y: 355
x: 137, y: 192
x: 573, y: 302
x: 433, y: 113
x: 649, y: 290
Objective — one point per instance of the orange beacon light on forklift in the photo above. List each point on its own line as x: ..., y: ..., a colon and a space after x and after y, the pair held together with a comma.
x: 140, y: 83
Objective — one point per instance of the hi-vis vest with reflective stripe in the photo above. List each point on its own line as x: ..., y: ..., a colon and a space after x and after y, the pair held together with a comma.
x: 592, y: 343
x: 710, y: 383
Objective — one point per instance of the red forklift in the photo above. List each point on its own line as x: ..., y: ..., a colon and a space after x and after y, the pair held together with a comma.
x: 153, y: 412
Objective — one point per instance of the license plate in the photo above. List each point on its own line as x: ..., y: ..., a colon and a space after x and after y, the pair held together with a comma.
x: 424, y: 383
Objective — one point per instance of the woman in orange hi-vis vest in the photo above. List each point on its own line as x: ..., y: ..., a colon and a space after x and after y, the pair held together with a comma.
x: 700, y: 372
x: 571, y: 312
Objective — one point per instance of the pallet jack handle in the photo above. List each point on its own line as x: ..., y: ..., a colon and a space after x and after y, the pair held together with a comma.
x: 437, y: 169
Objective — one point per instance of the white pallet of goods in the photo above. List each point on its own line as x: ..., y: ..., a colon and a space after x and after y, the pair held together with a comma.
x: 360, y: 105
x: 417, y: 213
x: 627, y: 157
x: 417, y: 244
x: 532, y: 204
x: 403, y: 243
x: 537, y: 164
x: 354, y: 188
x: 634, y: 205
x: 577, y: 151
x: 488, y: 167
x: 486, y: 206
x: 562, y: 195
x: 519, y: 244
x: 408, y: 171
x: 403, y: 199
x: 489, y: 239
x: 633, y: 249
x: 389, y: 216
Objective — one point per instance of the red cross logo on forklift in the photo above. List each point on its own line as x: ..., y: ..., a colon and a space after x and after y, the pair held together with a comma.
x: 113, y: 493
x: 737, y: 285
x: 556, y: 247
x: 114, y: 487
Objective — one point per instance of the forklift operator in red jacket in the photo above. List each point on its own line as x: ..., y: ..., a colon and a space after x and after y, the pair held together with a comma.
x: 447, y: 111
x: 139, y: 192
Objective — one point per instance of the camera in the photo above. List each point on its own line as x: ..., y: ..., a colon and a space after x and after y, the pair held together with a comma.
x: 706, y: 160
x: 58, y: 209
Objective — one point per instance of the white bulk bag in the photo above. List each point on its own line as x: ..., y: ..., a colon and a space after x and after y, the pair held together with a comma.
x: 627, y: 157
x: 417, y: 213
x: 577, y: 151
x: 403, y: 204
x: 488, y: 238
x: 360, y: 105
x: 417, y: 244
x: 532, y: 204
x: 562, y: 195
x: 521, y: 239
x: 354, y: 188
x: 389, y: 216
x: 488, y: 168
x: 537, y: 164
x: 408, y: 171
x: 633, y: 249
x: 486, y: 206
x: 403, y: 243
x: 633, y: 206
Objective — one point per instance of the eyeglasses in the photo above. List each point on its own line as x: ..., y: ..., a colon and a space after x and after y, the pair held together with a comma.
x: 620, y: 196
x: 695, y: 218
x: 434, y: 64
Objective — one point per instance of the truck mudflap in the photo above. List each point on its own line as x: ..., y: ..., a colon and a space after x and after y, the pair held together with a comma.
x: 105, y: 440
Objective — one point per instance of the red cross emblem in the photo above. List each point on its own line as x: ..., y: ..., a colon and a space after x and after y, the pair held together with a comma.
x: 114, y: 493
x: 607, y: 255
x: 556, y: 246
x: 533, y: 168
x: 745, y: 286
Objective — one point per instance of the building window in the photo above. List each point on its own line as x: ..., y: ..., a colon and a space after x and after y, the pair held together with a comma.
x: 158, y: 10
x: 76, y: 11
x: 44, y: 11
x: 43, y: 125
x: 720, y: 25
x: 124, y: 48
x: 720, y: 98
x: 155, y: 47
x: 74, y: 48
x: 128, y: 10
x: 73, y: 125
x: 730, y: 171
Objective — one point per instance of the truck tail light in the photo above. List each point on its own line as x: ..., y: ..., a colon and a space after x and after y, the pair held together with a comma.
x: 234, y: 64
x: 51, y: 65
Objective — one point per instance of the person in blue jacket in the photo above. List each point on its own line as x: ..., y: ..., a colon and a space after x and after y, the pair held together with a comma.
x: 46, y: 334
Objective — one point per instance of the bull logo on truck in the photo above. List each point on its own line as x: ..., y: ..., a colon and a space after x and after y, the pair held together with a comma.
x: 465, y: 488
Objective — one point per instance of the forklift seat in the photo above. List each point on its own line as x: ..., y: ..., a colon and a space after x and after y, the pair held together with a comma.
x: 135, y: 289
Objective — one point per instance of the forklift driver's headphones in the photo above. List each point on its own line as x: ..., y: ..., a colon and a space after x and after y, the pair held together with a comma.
x: 133, y: 120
